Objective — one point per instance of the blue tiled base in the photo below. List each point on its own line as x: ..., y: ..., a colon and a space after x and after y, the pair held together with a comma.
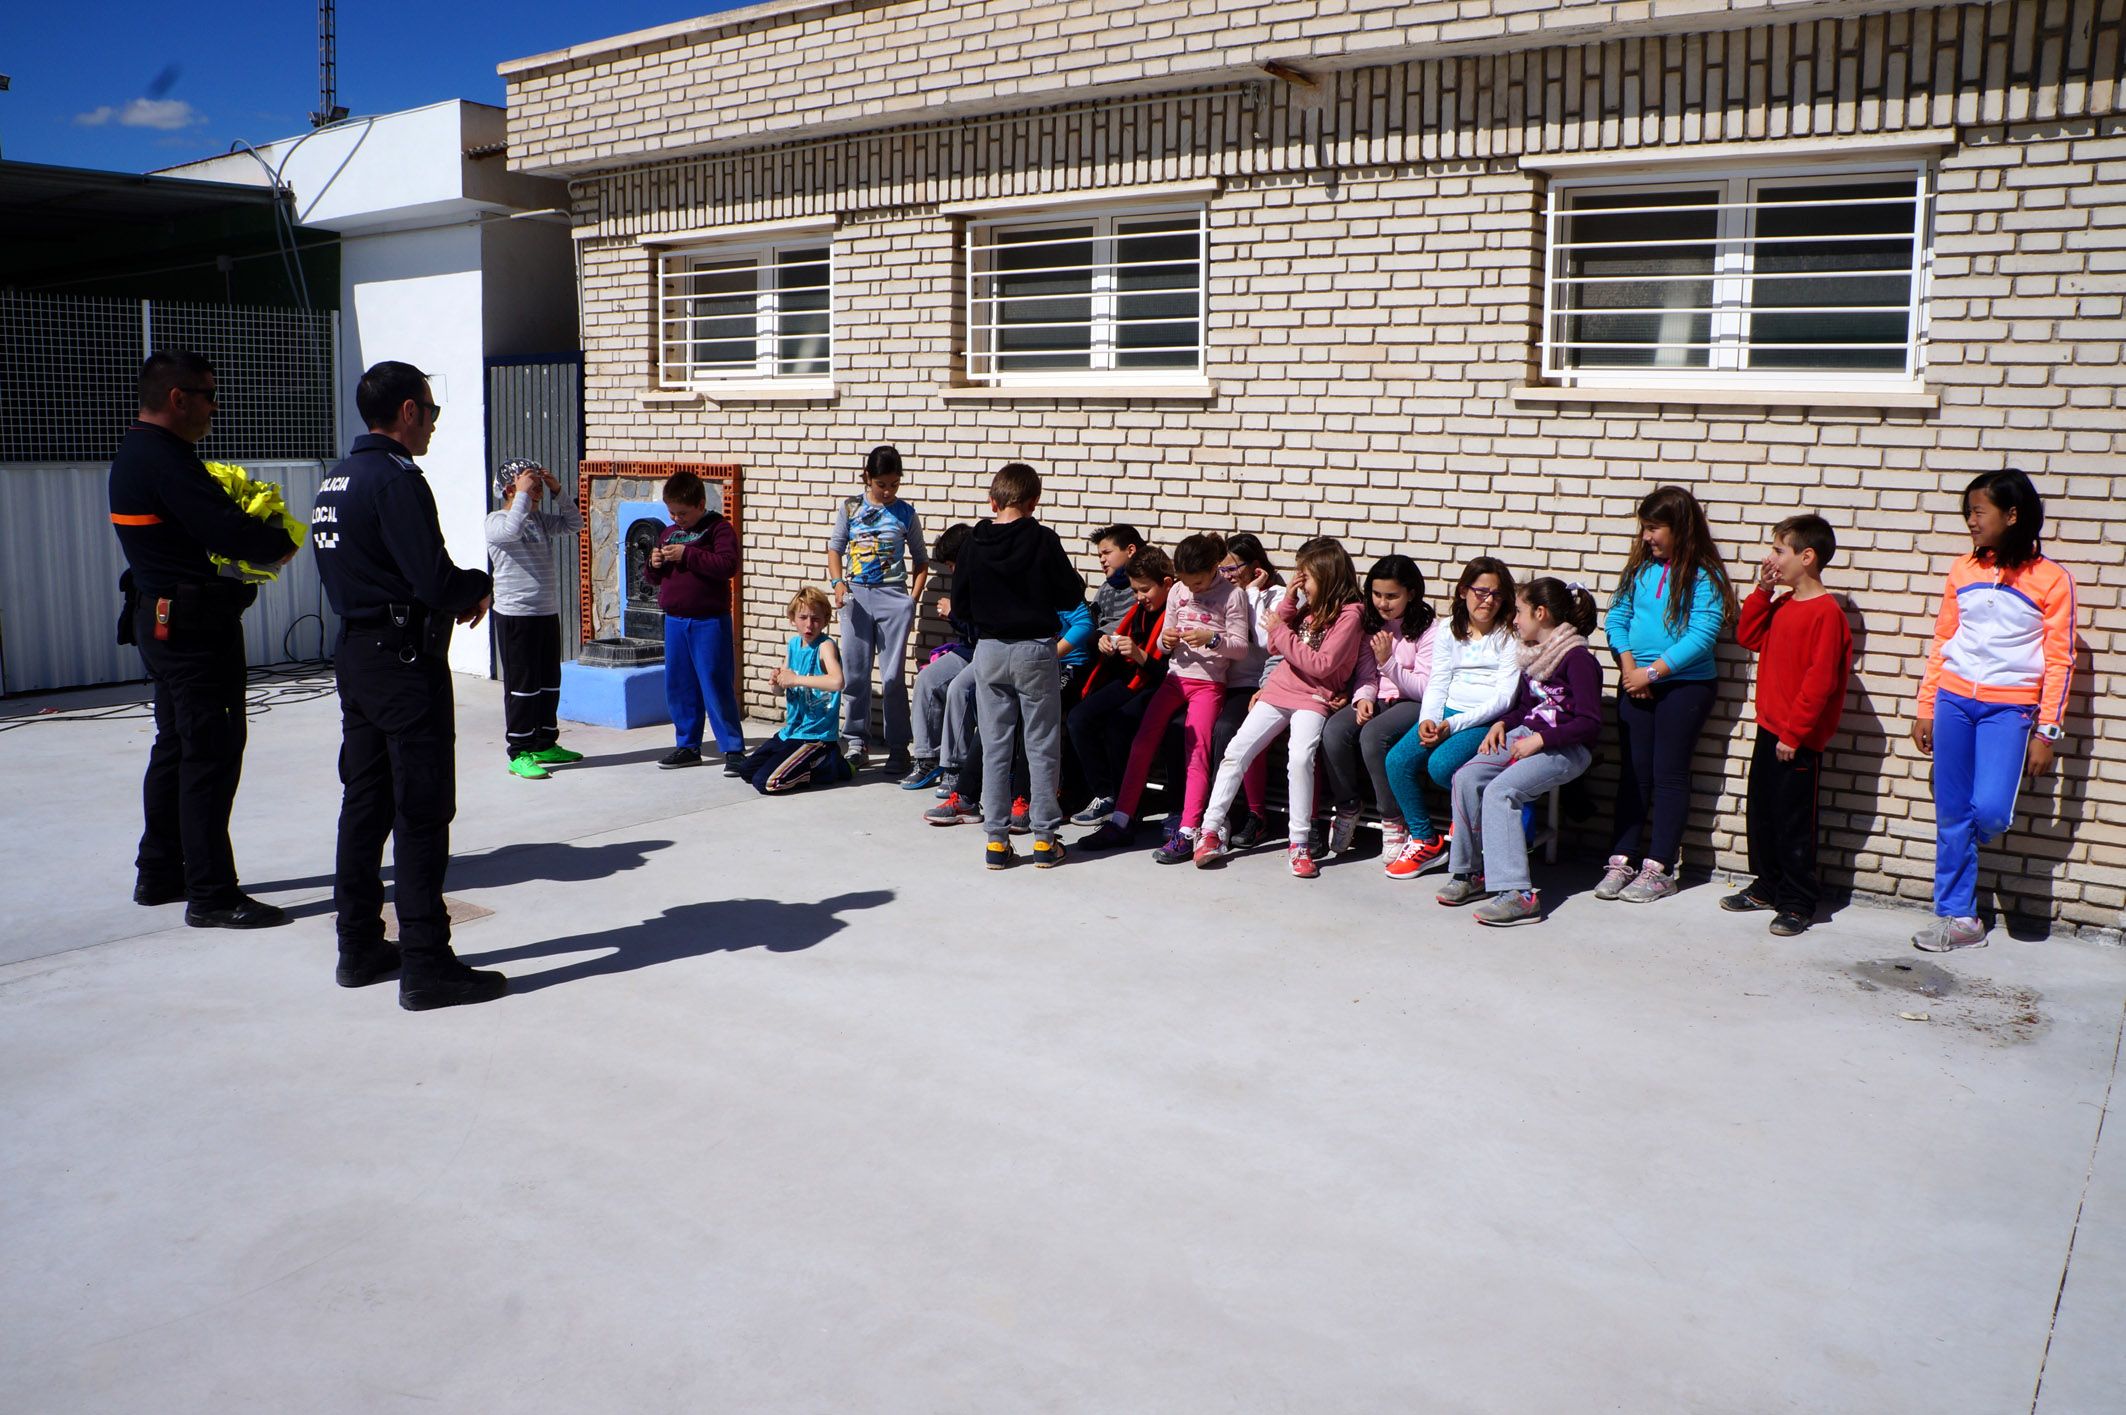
x: 613, y: 697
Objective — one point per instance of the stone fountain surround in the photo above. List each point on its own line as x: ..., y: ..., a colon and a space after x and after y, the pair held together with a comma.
x: 603, y: 488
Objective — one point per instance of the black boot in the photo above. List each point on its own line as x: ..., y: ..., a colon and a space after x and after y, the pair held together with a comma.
x: 447, y: 983
x: 153, y: 892
x: 363, y: 964
x: 243, y: 912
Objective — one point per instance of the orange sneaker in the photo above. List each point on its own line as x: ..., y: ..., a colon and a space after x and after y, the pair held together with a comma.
x: 1415, y: 855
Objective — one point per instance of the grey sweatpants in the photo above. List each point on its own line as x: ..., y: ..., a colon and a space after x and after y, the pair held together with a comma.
x: 1491, y: 789
x: 1357, y: 756
x: 932, y: 683
x: 1018, y: 683
x: 876, y: 622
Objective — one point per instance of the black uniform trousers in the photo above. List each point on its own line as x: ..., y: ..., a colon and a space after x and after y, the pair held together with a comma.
x: 398, y: 771
x: 198, y: 756
x: 1782, y: 826
x: 531, y: 680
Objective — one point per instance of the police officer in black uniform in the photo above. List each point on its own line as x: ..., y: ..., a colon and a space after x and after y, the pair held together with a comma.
x: 187, y: 619
x: 380, y: 552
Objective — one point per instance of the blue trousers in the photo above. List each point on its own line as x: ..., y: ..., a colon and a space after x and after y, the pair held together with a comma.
x: 1978, y: 769
x: 1410, y: 761
x: 701, y: 668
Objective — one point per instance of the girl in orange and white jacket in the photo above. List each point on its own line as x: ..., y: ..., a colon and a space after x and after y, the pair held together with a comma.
x: 1995, y: 691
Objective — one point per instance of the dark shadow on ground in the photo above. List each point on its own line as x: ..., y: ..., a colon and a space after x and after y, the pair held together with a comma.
x: 637, y: 758
x: 556, y: 862
x: 689, y: 931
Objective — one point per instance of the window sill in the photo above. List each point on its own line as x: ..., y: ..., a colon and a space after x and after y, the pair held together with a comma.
x: 738, y: 393
x: 1910, y: 395
x: 984, y: 392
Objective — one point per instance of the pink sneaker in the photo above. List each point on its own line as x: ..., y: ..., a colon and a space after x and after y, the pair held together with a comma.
x: 1302, y: 862
x: 1210, y: 850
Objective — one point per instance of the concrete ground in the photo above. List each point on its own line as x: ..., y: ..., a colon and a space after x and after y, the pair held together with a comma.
x: 794, y: 1108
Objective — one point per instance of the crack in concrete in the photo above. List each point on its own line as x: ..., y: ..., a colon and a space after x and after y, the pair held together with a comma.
x: 2096, y: 1142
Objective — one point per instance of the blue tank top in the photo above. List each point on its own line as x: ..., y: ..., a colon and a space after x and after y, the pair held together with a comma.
x: 810, y: 714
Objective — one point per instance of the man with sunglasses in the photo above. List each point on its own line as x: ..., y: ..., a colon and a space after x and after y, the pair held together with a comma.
x: 187, y: 620
x: 389, y: 576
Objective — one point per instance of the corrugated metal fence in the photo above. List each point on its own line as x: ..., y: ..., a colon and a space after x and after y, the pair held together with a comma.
x: 59, y: 568
x: 535, y: 410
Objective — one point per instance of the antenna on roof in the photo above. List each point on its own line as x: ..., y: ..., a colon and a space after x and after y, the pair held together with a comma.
x: 328, y: 68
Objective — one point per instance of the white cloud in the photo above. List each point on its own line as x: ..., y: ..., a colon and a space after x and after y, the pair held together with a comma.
x: 167, y: 115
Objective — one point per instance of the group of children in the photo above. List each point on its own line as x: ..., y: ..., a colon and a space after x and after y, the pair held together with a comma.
x: 1377, y: 695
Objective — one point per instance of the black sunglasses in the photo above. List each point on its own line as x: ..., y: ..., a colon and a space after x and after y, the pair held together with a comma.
x: 207, y: 393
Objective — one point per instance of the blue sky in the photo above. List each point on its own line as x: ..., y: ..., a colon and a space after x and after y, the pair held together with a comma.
x: 126, y: 85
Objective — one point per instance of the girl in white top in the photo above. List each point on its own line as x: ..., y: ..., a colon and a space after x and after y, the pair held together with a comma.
x: 1476, y: 669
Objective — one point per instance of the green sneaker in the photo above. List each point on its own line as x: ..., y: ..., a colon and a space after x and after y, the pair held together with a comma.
x: 526, y: 765
x: 556, y: 755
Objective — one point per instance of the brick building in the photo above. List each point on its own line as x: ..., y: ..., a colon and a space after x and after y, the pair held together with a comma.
x: 1446, y: 278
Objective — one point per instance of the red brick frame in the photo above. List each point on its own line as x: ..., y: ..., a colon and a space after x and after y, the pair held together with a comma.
x: 723, y: 474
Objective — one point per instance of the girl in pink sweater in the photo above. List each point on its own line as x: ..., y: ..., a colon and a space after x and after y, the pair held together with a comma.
x: 1318, y: 629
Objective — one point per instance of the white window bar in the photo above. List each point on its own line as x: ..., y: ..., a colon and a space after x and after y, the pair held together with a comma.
x: 728, y: 312
x: 1113, y: 288
x: 1742, y: 328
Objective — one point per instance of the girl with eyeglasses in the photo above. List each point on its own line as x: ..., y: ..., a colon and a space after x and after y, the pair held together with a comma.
x: 1670, y: 605
x: 1476, y: 670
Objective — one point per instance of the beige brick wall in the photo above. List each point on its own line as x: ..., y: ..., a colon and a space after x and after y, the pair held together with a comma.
x: 1371, y: 312
x: 769, y: 71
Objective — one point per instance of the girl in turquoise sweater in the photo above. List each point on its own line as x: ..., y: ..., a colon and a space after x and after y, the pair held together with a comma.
x: 1668, y: 611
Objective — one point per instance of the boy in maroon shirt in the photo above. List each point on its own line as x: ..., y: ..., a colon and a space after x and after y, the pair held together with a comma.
x: 1805, y: 654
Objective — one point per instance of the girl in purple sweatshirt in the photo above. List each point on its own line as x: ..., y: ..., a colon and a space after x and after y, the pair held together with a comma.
x: 1541, y: 743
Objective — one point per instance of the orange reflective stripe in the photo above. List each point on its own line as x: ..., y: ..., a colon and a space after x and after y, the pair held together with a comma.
x: 148, y: 520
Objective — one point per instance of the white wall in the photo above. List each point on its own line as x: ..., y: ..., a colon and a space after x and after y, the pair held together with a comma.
x: 432, y: 272
x: 416, y: 296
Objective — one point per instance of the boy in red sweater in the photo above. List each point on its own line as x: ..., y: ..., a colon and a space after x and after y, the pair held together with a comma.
x: 1805, y: 654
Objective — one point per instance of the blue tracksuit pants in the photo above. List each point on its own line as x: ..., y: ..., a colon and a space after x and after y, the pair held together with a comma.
x: 1978, y: 768
x: 701, y: 670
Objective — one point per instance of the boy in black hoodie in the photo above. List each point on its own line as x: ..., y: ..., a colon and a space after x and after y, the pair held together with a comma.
x: 1011, y: 581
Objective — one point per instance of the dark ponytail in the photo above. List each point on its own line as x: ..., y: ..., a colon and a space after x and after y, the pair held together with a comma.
x: 1565, y: 604
x: 882, y: 461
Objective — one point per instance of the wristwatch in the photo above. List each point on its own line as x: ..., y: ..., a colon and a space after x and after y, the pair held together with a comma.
x: 2051, y: 731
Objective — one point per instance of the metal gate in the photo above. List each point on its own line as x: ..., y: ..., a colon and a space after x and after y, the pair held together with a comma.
x: 535, y: 410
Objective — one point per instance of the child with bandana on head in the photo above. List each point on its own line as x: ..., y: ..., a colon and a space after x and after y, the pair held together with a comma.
x: 523, y: 545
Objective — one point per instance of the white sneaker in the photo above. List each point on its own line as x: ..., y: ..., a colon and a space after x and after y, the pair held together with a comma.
x: 1944, y: 935
x: 1343, y: 830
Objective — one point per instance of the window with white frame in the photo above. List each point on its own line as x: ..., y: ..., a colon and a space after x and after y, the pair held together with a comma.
x: 1112, y: 296
x: 1795, y: 277
x: 749, y: 312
